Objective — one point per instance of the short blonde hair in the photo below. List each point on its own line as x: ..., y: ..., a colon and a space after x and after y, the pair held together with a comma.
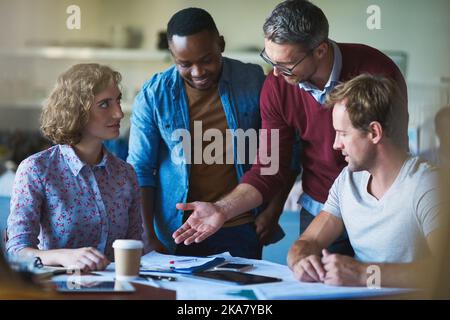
x: 66, y: 111
x: 371, y: 98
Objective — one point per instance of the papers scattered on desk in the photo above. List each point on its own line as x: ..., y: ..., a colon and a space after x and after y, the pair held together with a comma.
x: 189, y: 288
x: 308, y: 291
x: 154, y: 261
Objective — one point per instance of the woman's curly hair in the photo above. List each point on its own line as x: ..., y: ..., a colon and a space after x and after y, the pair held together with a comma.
x: 66, y: 111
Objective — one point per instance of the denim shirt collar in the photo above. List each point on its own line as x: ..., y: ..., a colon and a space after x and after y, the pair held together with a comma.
x: 225, y: 76
x: 333, y: 80
x: 76, y: 165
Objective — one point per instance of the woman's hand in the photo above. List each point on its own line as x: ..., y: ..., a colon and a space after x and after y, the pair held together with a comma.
x: 86, y: 259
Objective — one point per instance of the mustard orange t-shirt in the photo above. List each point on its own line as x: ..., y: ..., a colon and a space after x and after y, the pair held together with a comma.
x: 210, y: 182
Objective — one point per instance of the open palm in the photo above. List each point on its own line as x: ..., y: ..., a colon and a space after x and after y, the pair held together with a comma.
x: 204, y: 221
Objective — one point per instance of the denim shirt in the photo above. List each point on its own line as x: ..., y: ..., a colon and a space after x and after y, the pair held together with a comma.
x: 160, y: 108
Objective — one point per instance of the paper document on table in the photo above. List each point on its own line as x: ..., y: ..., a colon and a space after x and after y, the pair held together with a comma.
x: 307, y: 291
x: 154, y: 261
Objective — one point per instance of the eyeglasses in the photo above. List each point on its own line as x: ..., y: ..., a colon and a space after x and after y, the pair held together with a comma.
x: 282, y: 69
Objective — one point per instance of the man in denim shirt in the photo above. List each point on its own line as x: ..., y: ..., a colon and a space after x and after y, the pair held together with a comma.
x: 203, y: 91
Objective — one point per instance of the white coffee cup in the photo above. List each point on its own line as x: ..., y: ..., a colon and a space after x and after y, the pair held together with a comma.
x: 127, y: 257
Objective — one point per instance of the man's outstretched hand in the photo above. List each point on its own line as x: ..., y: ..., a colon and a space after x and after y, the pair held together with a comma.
x: 205, y: 220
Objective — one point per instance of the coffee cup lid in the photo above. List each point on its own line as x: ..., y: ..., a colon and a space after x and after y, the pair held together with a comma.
x: 128, y: 244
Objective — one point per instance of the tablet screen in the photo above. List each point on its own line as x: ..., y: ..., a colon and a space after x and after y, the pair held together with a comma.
x: 93, y: 286
x: 236, y: 277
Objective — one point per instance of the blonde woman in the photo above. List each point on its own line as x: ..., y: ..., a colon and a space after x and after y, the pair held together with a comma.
x: 71, y: 201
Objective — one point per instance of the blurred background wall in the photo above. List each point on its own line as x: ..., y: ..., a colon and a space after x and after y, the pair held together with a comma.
x: 36, y: 44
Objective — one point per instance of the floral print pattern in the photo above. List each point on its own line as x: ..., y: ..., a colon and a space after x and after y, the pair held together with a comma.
x: 60, y: 202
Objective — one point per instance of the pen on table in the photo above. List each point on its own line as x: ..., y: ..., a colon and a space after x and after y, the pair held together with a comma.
x: 182, y: 260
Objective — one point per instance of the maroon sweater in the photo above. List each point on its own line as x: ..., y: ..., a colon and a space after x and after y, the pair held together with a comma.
x: 290, y: 109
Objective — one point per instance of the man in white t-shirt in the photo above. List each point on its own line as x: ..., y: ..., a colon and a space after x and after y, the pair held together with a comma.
x: 386, y: 199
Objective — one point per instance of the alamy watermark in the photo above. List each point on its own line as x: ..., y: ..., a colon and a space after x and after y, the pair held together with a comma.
x: 240, y: 146
x: 74, y: 19
x: 373, y: 277
x: 373, y: 21
x: 74, y: 280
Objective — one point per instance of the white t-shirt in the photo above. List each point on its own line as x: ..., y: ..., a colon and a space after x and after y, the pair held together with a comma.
x: 392, y: 229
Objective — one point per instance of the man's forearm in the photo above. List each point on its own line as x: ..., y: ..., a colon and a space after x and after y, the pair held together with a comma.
x: 243, y: 198
x: 418, y: 274
x: 400, y: 275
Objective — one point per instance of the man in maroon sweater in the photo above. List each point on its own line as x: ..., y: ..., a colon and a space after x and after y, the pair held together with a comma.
x: 307, y: 66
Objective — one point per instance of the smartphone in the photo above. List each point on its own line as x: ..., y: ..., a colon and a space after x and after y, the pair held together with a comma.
x: 235, y: 267
x: 235, y: 277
